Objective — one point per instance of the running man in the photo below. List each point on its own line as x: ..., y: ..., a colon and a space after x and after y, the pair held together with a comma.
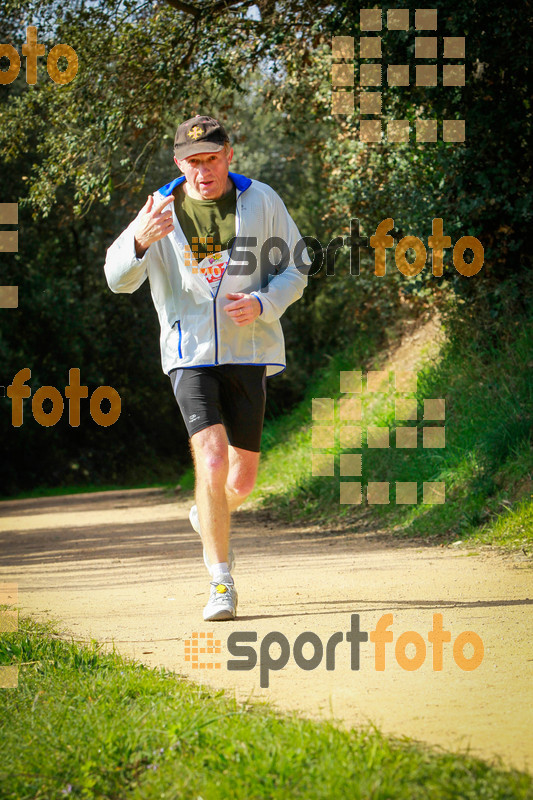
x: 224, y: 260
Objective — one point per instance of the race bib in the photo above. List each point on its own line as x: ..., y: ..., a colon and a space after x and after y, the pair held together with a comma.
x: 212, y: 268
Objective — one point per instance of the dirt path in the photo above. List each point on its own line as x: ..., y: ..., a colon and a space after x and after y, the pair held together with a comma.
x: 126, y: 567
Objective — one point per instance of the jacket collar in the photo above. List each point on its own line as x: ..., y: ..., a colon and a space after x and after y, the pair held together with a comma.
x: 241, y: 182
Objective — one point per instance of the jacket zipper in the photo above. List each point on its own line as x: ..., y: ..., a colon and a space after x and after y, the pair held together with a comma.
x: 237, y: 227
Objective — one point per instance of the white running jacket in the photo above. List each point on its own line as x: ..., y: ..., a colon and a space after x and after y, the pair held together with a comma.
x: 195, y: 330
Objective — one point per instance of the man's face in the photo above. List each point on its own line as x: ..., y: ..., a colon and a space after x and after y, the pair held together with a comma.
x: 207, y: 174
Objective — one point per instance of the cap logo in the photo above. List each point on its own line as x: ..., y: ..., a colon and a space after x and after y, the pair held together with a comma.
x: 195, y: 132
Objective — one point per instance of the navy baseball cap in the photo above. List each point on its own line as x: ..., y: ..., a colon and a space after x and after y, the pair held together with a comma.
x: 199, y: 135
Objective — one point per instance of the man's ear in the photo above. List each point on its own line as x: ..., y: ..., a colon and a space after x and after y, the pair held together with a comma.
x: 230, y: 155
x: 177, y: 163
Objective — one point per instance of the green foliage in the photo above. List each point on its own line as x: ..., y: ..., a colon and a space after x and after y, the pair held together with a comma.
x: 511, y: 528
x: 81, y: 158
x: 68, y: 318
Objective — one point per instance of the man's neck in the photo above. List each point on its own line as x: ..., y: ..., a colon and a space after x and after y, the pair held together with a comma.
x: 190, y: 191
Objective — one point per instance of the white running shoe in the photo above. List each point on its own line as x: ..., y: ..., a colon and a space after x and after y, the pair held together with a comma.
x: 222, y: 602
x: 195, y: 522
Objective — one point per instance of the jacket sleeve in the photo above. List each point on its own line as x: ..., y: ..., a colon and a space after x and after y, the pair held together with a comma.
x: 124, y: 271
x: 290, y: 280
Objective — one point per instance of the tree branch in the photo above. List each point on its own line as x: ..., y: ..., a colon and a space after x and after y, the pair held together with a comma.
x: 187, y: 58
x: 221, y: 5
x: 187, y: 8
x: 212, y: 8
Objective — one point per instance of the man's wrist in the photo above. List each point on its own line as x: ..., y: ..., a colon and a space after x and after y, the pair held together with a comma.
x: 260, y: 303
x: 140, y: 250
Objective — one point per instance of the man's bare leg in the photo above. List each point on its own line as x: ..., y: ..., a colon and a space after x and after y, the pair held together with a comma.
x: 211, y: 463
x: 225, y: 476
x: 242, y: 474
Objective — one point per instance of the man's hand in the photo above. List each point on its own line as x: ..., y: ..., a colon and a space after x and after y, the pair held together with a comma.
x: 245, y: 308
x: 154, y: 223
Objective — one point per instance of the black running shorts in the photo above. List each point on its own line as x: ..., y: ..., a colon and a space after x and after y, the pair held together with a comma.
x: 229, y: 394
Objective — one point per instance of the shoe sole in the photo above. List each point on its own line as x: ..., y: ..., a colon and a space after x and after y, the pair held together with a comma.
x: 220, y: 616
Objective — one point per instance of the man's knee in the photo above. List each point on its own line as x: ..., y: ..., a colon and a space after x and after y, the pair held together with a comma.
x: 242, y: 474
x: 210, y: 450
x: 242, y: 484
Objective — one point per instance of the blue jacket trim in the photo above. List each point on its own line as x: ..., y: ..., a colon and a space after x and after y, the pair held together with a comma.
x: 168, y: 188
x: 239, y: 364
x: 254, y: 294
x: 240, y: 181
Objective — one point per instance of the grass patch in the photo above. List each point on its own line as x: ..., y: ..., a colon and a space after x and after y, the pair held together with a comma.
x: 512, y: 529
x: 486, y: 464
x: 88, y: 724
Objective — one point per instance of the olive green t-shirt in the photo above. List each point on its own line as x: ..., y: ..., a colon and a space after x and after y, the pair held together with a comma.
x: 206, y: 219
